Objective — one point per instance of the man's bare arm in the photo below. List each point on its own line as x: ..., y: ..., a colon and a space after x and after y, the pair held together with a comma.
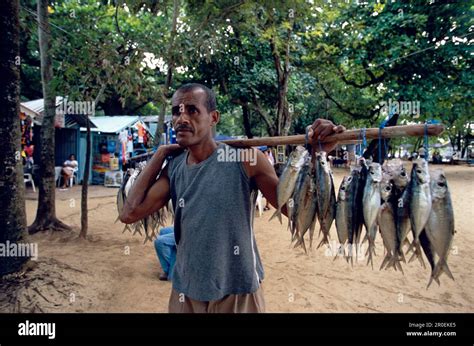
x: 265, y: 177
x: 148, y: 195
x: 264, y: 174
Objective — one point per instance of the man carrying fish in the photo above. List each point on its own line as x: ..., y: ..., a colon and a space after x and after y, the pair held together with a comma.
x: 218, y: 268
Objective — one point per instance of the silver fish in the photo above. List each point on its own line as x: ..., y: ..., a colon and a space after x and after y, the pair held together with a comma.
x: 345, y: 200
x: 400, y: 179
x: 151, y: 223
x: 430, y: 254
x: 371, y: 205
x: 287, y: 182
x: 293, y: 203
x: 440, y: 225
x: 386, y: 222
x: 305, y: 205
x: 419, y: 203
x: 359, y: 173
x: 325, y: 195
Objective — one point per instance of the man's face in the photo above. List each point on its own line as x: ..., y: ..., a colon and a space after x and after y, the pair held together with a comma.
x: 191, y: 119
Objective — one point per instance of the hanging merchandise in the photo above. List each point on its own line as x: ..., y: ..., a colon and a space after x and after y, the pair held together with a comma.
x: 129, y: 142
x: 124, y: 153
x: 141, y: 132
x: 114, y: 163
x: 123, y: 136
x: 111, y: 146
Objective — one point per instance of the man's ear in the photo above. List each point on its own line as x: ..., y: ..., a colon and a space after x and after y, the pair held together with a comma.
x: 215, y: 117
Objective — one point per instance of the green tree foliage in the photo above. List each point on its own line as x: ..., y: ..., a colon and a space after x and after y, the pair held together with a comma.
x: 276, y: 66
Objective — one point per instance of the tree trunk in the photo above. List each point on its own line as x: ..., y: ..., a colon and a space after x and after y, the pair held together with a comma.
x: 46, y: 212
x: 246, y: 120
x: 12, y: 187
x: 85, y: 183
x: 283, y: 116
x: 87, y: 164
x: 169, y: 76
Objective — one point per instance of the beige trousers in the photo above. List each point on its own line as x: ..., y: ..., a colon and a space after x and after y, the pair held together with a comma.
x: 232, y: 303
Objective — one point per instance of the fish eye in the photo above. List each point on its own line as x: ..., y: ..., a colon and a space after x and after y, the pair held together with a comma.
x: 372, y: 172
x: 419, y: 171
x: 343, y: 188
x: 403, y: 174
x: 388, y: 188
x: 441, y: 184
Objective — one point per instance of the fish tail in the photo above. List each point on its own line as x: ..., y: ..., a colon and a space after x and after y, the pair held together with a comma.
x: 432, y: 277
x: 366, y: 237
x: 325, y: 239
x: 311, y: 233
x: 384, y: 262
x: 401, y: 256
x: 340, y: 251
x: 349, y: 254
x: 289, y: 225
x: 311, y: 238
x: 442, y: 267
x: 301, y: 243
x: 126, y: 228
x: 415, y: 246
x: 399, y: 266
x: 369, y: 260
x: 277, y: 214
x: 419, y: 255
x: 413, y: 256
x: 370, y: 251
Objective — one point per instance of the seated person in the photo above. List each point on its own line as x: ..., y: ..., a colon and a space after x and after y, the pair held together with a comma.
x: 165, y: 247
x: 69, y: 167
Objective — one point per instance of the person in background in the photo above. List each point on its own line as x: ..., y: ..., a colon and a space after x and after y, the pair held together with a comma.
x: 69, y: 167
x: 165, y: 247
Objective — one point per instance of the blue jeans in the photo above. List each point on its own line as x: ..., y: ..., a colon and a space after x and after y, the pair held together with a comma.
x: 165, y: 247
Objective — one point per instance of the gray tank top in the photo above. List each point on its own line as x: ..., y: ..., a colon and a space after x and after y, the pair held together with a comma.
x: 216, y: 250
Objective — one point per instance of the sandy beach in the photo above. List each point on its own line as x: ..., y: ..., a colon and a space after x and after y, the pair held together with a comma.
x: 115, y: 272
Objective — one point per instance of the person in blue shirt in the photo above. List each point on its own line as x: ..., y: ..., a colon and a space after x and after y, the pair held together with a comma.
x: 165, y: 247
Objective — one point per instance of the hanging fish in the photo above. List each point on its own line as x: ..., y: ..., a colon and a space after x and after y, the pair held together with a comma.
x: 305, y: 205
x: 440, y: 225
x: 150, y: 224
x: 371, y: 204
x: 325, y: 195
x: 359, y: 176
x: 400, y: 179
x: 344, y: 220
x: 386, y: 222
x: 287, y: 182
x: 418, y: 195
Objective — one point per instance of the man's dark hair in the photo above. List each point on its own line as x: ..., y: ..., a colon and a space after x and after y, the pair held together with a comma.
x: 210, y: 102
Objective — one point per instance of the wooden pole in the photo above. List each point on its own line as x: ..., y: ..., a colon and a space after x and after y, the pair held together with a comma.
x: 345, y: 137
